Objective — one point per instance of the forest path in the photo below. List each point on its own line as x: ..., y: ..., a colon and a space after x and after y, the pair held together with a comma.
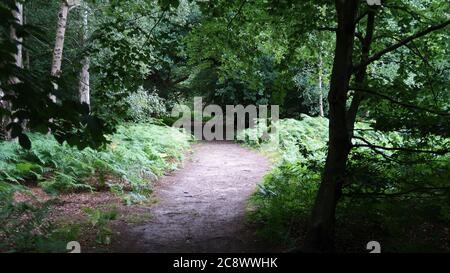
x: 201, y: 207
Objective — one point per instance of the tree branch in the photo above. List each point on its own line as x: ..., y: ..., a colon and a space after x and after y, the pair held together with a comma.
x: 416, y: 16
x: 382, y: 194
x: 332, y: 29
x: 410, y: 150
x: 393, y: 47
x: 361, y: 16
x: 237, y: 13
x: 182, y: 79
x: 155, y: 25
x: 404, y: 104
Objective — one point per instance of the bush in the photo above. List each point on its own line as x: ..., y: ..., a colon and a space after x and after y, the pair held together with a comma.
x: 288, y: 191
x: 367, y: 210
x: 145, y: 105
x: 101, y: 219
x: 285, y: 197
x: 297, y: 139
x: 137, y: 154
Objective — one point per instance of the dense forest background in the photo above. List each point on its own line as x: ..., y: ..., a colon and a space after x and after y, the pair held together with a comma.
x: 87, y: 88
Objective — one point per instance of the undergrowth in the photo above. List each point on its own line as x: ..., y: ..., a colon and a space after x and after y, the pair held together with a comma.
x: 23, y: 225
x: 136, y: 155
x: 283, y: 201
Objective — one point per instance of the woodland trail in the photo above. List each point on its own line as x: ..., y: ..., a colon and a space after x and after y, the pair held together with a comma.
x: 201, y: 207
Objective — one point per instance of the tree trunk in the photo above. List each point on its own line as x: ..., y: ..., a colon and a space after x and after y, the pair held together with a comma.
x: 321, y: 112
x: 84, y: 88
x: 18, y: 60
x: 320, y: 235
x: 59, y: 42
x: 361, y: 73
x: 60, y: 34
x: 26, y: 52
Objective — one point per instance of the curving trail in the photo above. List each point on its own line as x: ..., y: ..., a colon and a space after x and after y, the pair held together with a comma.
x: 201, y: 207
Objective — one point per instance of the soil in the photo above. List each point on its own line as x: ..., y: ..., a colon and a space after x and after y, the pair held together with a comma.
x: 202, y: 206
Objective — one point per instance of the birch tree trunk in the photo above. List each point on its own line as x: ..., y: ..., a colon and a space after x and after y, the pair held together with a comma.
x: 84, y: 88
x: 60, y: 34
x: 321, y: 112
x: 59, y: 42
x: 18, y: 59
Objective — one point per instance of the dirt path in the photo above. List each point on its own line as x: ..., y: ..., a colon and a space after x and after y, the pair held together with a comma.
x: 201, y: 207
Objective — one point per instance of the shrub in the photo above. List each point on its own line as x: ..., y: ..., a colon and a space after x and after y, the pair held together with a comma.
x: 297, y: 139
x: 101, y: 219
x: 285, y: 197
x: 137, y: 154
x: 145, y: 105
x: 367, y: 210
x: 287, y: 193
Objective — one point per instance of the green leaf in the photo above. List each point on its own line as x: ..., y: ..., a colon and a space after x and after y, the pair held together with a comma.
x: 25, y: 166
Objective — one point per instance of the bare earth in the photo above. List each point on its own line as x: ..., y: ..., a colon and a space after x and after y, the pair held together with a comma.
x: 202, y: 206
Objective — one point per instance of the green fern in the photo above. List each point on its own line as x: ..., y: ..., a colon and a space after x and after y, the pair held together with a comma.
x: 137, y: 155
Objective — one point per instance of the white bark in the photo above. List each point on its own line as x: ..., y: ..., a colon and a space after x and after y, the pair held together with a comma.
x: 18, y: 59
x: 84, y: 88
x: 59, y: 42
x: 321, y: 112
x: 60, y: 35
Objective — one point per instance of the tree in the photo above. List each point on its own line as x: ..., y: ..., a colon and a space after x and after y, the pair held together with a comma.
x: 320, y: 236
x: 60, y: 35
x: 361, y: 30
x: 84, y: 88
x: 17, y: 13
x: 34, y: 98
x: 321, y: 112
x: 18, y: 16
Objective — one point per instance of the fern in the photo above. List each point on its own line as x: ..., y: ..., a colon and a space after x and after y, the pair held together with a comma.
x: 137, y: 155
